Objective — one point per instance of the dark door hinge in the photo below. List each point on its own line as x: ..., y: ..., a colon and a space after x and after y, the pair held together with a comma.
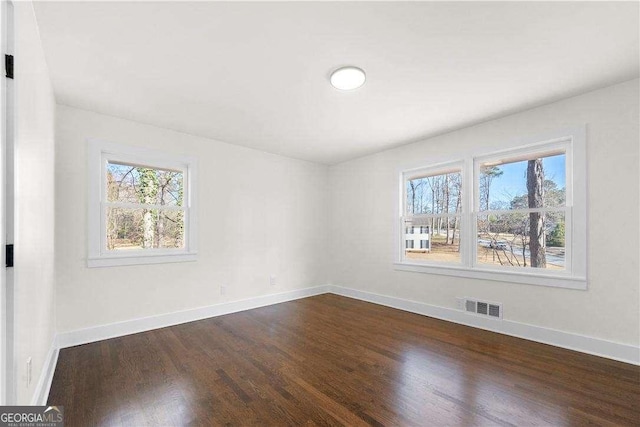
x: 8, y: 66
x: 9, y: 255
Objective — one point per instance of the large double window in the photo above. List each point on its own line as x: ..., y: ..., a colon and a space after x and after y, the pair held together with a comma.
x: 517, y: 215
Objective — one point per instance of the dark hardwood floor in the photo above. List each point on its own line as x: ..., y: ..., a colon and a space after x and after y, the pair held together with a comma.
x: 334, y: 360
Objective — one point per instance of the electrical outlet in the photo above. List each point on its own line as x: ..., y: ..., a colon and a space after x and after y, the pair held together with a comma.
x: 28, y: 372
x: 272, y: 280
x: 460, y: 303
x: 223, y: 290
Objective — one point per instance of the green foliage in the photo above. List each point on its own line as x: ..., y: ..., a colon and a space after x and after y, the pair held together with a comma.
x: 519, y: 202
x: 553, y: 196
x: 148, y: 185
x: 556, y: 237
x: 179, y: 234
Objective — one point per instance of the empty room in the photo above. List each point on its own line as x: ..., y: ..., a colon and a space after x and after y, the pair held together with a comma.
x: 320, y: 213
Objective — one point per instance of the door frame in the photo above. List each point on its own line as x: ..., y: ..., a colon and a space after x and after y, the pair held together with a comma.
x: 7, y: 337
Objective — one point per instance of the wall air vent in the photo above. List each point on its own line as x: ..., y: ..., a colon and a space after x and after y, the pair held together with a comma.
x: 470, y: 306
x: 495, y: 310
x: 480, y: 308
x: 483, y: 308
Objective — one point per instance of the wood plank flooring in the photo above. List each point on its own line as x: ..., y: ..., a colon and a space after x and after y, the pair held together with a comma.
x: 330, y: 360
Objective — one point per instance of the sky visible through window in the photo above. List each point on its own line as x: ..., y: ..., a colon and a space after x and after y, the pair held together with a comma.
x: 513, y: 181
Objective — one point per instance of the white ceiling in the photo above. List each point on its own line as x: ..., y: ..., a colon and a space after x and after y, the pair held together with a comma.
x: 256, y: 74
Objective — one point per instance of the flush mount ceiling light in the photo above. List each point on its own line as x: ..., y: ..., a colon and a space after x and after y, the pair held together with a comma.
x: 348, y: 78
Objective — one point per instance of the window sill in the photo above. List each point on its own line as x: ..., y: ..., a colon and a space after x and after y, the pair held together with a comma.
x: 114, y: 261
x: 555, y: 281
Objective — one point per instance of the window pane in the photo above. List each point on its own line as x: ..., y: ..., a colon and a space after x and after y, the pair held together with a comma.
x: 135, y: 184
x: 129, y: 229
x: 433, y: 239
x: 170, y: 229
x: 529, y: 183
x: 509, y: 240
x: 435, y: 194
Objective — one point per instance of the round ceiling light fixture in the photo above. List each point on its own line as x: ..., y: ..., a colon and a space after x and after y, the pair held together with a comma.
x: 348, y: 78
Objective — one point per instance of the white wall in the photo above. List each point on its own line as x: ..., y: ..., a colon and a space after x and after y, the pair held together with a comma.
x: 263, y: 214
x: 363, y: 199
x: 259, y: 214
x: 34, y: 209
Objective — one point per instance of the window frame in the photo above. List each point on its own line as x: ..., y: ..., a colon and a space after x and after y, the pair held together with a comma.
x: 433, y: 170
x: 563, y: 145
x: 573, y: 142
x: 100, y: 153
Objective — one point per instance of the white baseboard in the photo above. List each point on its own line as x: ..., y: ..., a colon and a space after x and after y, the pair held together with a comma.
x: 112, y: 330
x: 611, y: 350
x: 598, y: 347
x: 41, y: 393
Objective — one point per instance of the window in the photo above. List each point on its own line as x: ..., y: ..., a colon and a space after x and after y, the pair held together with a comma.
x: 433, y: 206
x: 141, y: 206
x: 521, y: 212
x: 520, y: 217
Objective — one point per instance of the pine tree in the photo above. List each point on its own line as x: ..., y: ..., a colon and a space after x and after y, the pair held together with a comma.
x: 556, y: 237
x: 535, y: 196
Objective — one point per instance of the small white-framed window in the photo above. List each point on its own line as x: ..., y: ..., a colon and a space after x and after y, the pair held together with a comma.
x: 432, y: 209
x: 520, y: 214
x: 141, y: 206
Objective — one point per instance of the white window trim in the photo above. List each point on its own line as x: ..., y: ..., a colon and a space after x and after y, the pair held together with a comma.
x: 100, y: 152
x: 437, y: 169
x: 575, y: 275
